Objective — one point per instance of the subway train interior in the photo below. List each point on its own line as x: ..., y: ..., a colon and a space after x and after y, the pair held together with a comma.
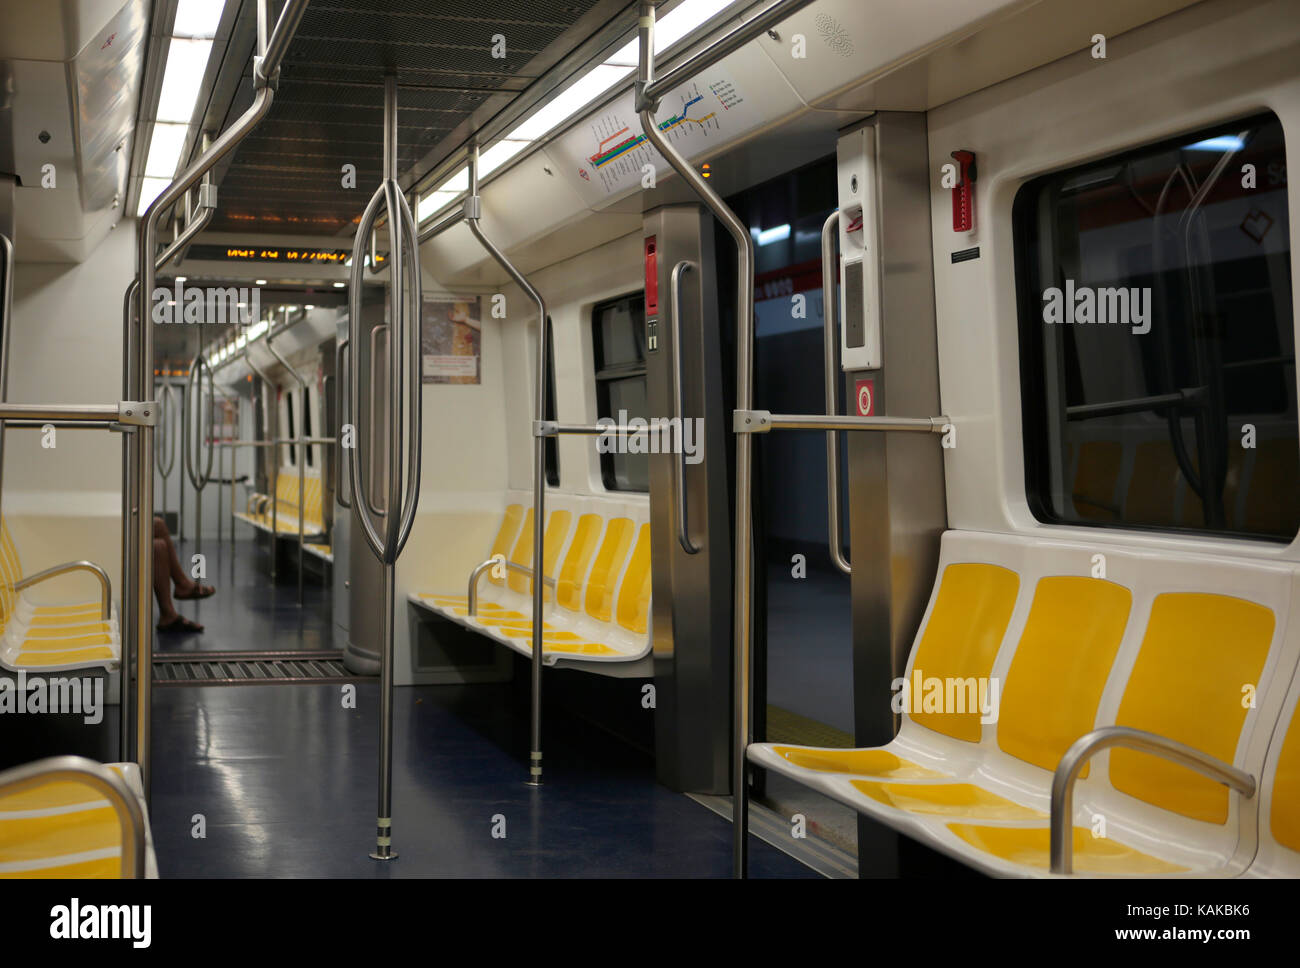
x: 675, y: 438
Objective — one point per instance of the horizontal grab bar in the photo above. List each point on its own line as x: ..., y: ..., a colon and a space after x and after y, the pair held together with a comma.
x: 761, y: 421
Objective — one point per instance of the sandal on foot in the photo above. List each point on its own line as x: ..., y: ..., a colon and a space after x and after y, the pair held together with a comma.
x: 180, y: 624
x: 198, y: 591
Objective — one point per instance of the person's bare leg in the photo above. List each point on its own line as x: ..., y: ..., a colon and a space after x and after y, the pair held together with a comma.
x: 162, y: 586
x: 184, y: 584
x: 162, y: 589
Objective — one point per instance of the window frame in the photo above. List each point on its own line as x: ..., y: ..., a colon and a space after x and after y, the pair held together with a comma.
x: 1030, y: 345
x: 603, y: 376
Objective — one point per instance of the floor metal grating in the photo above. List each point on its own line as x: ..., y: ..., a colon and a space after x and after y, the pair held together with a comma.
x: 251, y: 668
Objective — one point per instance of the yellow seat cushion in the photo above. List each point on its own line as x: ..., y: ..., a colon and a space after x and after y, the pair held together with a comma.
x: 32, y: 660
x: 946, y: 799
x: 68, y: 631
x: 857, y: 762
x: 1031, y: 847
x: 962, y: 636
x: 1198, y: 652
x: 25, y: 839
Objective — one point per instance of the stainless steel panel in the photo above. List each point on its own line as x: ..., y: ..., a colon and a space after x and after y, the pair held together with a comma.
x: 691, y: 603
x: 897, y: 505
x: 365, y: 575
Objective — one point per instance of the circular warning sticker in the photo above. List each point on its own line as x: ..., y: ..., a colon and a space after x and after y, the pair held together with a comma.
x: 866, y: 394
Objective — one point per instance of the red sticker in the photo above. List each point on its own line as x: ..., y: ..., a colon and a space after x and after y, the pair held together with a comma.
x: 866, y: 394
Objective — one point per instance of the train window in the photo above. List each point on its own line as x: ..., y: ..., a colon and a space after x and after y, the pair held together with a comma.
x: 552, y: 448
x: 618, y: 337
x: 306, y: 422
x: 288, y: 403
x: 1157, y: 341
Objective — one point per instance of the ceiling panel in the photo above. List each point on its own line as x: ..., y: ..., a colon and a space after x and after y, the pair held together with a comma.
x: 328, y: 111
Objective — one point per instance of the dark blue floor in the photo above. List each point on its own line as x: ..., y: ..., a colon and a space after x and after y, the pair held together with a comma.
x: 249, y: 612
x: 286, y: 778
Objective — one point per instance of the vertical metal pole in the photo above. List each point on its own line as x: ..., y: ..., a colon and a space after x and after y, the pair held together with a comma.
x: 393, y: 504
x: 180, y: 483
x: 198, y: 491
x: 830, y: 342
x: 126, y: 724
x: 539, y: 463
x: 742, y: 619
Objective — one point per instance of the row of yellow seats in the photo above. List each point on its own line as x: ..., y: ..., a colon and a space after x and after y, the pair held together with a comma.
x: 49, y: 637
x: 595, y: 553
x: 286, y: 517
x: 1198, y: 653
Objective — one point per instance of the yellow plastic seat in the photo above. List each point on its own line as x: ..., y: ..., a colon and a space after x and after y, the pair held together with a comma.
x: 854, y: 762
x: 946, y: 799
x: 1031, y: 847
x: 60, y: 829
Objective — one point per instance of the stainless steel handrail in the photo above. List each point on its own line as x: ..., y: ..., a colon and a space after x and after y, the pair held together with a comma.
x: 105, y: 584
x: 275, y: 460
x: 302, y: 455
x: 78, y: 769
x: 761, y: 421
x: 729, y: 43
x: 648, y: 90
x: 375, y: 502
x: 401, y: 503
x: 679, y: 404
x: 6, y: 322
x: 1086, y: 746
x: 472, y: 209
x: 167, y: 416
x: 342, y: 348
x: 194, y: 408
x: 138, y: 363
x: 830, y: 343
x: 471, y: 596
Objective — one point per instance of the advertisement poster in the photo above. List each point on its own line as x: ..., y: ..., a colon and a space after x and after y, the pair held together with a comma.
x: 451, y: 339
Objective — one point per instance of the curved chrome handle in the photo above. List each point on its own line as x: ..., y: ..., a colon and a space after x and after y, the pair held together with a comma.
x: 197, y: 367
x: 167, y: 417
x: 404, y: 347
x: 679, y: 404
x: 830, y: 340
x: 340, y: 452
x: 375, y: 502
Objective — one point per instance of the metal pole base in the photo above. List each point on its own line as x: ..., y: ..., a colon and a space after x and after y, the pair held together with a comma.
x: 384, y: 842
x: 535, y: 771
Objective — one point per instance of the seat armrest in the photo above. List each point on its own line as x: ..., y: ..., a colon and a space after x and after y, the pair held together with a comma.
x: 482, y: 566
x: 78, y: 769
x: 1082, y: 750
x: 105, y: 586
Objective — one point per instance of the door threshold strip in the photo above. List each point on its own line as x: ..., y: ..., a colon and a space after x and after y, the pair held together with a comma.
x: 252, y: 668
x: 768, y: 826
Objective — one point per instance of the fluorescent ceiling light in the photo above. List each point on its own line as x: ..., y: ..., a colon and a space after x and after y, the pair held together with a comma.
x: 569, y: 102
x: 339, y: 285
x: 259, y: 282
x: 165, y: 150
x: 687, y: 16
x: 256, y: 330
x: 496, y: 156
x: 778, y: 233
x: 434, y: 203
x: 150, y: 188
x: 457, y: 183
x: 670, y: 28
x: 309, y: 307
x: 187, y: 60
x: 1224, y: 142
x: 198, y: 18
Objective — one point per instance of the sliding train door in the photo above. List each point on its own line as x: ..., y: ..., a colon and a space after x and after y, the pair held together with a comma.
x: 690, y: 528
